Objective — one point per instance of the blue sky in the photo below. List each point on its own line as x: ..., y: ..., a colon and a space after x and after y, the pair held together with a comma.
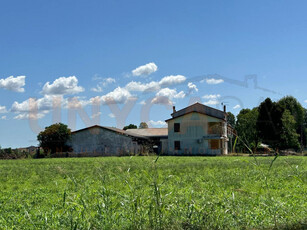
x: 122, y: 62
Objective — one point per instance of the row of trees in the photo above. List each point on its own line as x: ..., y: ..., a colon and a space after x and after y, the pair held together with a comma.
x: 143, y: 125
x: 281, y: 125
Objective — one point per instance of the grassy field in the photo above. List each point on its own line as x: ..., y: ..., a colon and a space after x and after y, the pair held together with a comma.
x: 139, y: 193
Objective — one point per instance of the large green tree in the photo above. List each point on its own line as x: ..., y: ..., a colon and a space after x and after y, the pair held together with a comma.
x: 269, y: 123
x: 288, y: 136
x: 246, y: 127
x: 298, y: 112
x: 231, y: 120
x: 54, y: 138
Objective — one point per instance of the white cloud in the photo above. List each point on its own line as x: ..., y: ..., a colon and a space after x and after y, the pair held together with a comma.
x: 145, y: 69
x: 97, y: 89
x: 211, y: 96
x: 106, y: 81
x: 118, y: 95
x: 15, y: 84
x: 147, y: 87
x: 165, y: 95
x: 212, y: 81
x: 212, y: 99
x: 157, y: 123
x: 75, y: 103
x: 171, y: 80
x: 212, y: 102
x: 305, y: 101
x: 3, y: 109
x: 37, y: 108
x: 96, y: 115
x: 3, y: 118
x: 30, y: 116
x: 111, y: 115
x: 192, y: 87
x: 237, y: 107
x: 62, y: 86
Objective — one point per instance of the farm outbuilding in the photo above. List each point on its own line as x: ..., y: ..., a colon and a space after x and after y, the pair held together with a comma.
x: 195, y: 130
x: 106, y: 141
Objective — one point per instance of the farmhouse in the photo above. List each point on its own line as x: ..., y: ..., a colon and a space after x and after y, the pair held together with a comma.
x: 195, y: 130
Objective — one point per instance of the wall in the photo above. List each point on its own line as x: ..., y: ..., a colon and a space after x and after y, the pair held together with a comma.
x: 100, y: 141
x: 193, y: 128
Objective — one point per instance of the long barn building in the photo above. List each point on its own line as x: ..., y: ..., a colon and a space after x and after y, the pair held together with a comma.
x: 195, y: 130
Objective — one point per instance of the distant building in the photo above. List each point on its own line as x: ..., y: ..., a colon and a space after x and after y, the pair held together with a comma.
x: 194, y: 130
x: 28, y: 150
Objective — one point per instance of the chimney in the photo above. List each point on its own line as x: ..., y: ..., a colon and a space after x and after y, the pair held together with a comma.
x: 174, y: 109
x: 224, y: 108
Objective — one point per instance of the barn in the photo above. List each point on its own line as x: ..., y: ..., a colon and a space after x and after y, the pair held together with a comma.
x: 195, y: 130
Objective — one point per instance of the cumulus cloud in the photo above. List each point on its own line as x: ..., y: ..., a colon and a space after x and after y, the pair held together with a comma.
x: 3, y: 109
x: 211, y: 102
x: 211, y: 96
x: 15, y: 84
x: 62, y: 86
x: 3, y: 118
x: 237, y: 107
x: 172, y: 80
x: 75, y: 103
x: 106, y: 81
x: 30, y: 116
x: 192, y: 87
x: 157, y: 123
x: 143, y: 87
x: 117, y: 96
x: 212, y: 99
x: 154, y: 86
x: 36, y: 108
x: 305, y: 101
x: 212, y: 81
x: 145, y: 69
x: 165, y: 96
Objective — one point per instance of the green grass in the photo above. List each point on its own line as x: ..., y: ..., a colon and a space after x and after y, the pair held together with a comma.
x: 137, y: 193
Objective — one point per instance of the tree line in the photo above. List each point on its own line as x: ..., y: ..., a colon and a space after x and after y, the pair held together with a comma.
x: 281, y: 125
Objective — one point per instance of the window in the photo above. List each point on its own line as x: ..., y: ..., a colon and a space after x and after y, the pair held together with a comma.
x: 214, y: 128
x: 177, y: 145
x: 176, y: 127
x: 214, y: 144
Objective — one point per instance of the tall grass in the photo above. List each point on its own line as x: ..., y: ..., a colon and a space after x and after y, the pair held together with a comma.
x: 146, y: 193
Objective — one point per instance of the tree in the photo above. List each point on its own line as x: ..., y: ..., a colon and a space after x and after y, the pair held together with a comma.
x: 269, y: 123
x: 246, y: 127
x: 289, y: 137
x: 143, y: 125
x: 54, y: 138
x: 297, y: 111
x: 231, y: 120
x: 131, y: 126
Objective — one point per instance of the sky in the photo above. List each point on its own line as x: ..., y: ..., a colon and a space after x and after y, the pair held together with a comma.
x: 113, y: 63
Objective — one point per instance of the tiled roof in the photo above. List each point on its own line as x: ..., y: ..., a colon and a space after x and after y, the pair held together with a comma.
x: 120, y: 131
x: 149, y: 132
x: 199, y: 108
